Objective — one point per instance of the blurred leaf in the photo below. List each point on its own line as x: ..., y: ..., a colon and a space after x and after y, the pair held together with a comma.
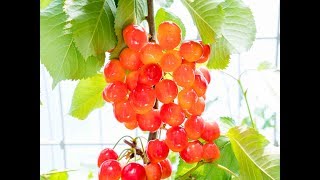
x: 228, y: 121
x: 165, y: 3
x: 246, y: 121
x: 44, y: 3
x: 264, y: 65
x: 90, y: 175
x: 87, y: 96
x: 164, y: 15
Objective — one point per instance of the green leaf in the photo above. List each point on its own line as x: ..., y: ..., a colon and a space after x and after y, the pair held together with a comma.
x: 165, y: 3
x: 90, y: 175
x: 220, y: 55
x: 230, y: 122
x: 210, y: 170
x: 128, y: 12
x: 264, y: 65
x: 164, y: 15
x: 59, y: 176
x: 228, y: 25
x: 255, y: 159
x: 57, y: 48
x: 87, y: 96
x: 92, y: 25
x: 207, y: 16
x: 44, y: 3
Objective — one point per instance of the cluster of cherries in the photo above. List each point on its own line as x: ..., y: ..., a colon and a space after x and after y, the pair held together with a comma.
x: 163, y: 71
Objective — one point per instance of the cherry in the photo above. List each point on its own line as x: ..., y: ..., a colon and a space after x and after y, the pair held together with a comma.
x: 166, y: 91
x: 176, y: 138
x: 153, y: 171
x: 135, y: 37
x: 211, y: 131
x: 110, y: 170
x: 133, y: 171
x: 157, y: 150
x: 198, y: 107
x: 184, y: 76
x: 205, y: 73
x: 132, y: 80
x: 166, y: 168
x: 142, y: 99
x: 211, y: 152
x: 206, y: 53
x: 172, y: 114
x: 106, y: 154
x: 151, y: 53
x: 123, y: 111
x: 186, y: 98
x: 200, y: 84
x: 194, y: 127
x: 169, y: 35
x: 113, y: 71
x: 132, y: 124
x: 192, y: 153
x: 191, y: 51
x: 115, y: 92
x: 170, y: 61
x: 149, y: 121
x: 130, y: 59
x: 150, y: 74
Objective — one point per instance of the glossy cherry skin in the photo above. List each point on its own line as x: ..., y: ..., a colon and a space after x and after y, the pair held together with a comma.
x: 192, y: 153
x: 169, y: 35
x: 191, y: 51
x: 150, y: 74
x: 176, y: 139
x: 133, y: 171
x: 166, y: 91
x: 132, y: 80
x: 149, y: 121
x: 153, y: 171
x: 211, y: 152
x: 200, y: 84
x: 186, y: 98
x: 115, y: 92
x: 172, y: 114
x: 106, y: 154
x: 211, y: 131
x: 166, y: 168
x: 113, y: 71
x: 206, y: 53
x: 142, y: 99
x: 123, y: 111
x: 194, y: 127
x: 170, y: 61
x: 157, y: 150
x: 198, y: 107
x: 135, y: 37
x: 130, y: 59
x: 206, y: 74
x: 184, y: 76
x: 110, y: 170
x: 151, y: 53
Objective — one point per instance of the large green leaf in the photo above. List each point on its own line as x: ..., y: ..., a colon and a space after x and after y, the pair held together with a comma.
x: 92, y: 25
x: 164, y: 15
x: 210, y: 170
x: 128, y: 12
x: 44, y: 3
x: 256, y: 161
x: 57, y: 48
x: 87, y: 96
x: 228, y: 25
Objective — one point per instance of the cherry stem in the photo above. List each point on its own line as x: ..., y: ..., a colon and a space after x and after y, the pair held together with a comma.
x: 123, y: 153
x: 150, y: 19
x: 121, y: 139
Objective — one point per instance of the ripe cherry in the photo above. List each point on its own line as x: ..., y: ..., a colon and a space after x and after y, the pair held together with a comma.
x: 115, y: 92
x: 191, y: 51
x: 132, y: 124
x: 157, y: 150
x: 200, y: 84
x: 186, y: 98
x: 184, y: 76
x: 113, y: 71
x: 123, y: 111
x: 135, y: 37
x: 206, y: 53
x: 149, y: 121
x: 205, y: 73
x: 132, y: 80
x: 130, y: 59
x: 192, y: 153
x: 198, y: 107
x: 153, y: 171
x: 170, y: 61
x: 142, y: 99
x: 166, y: 168
x: 211, y: 152
x: 133, y: 171
x: 176, y: 138
x: 172, y: 114
x: 107, y: 154
x: 211, y: 131
x: 151, y: 53
x: 194, y: 127
x: 110, y: 170
x: 166, y: 91
x: 150, y: 74
x: 169, y: 35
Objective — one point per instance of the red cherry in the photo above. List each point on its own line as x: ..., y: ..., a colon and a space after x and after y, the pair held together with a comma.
x: 192, y: 153
x: 205, y: 73
x: 115, y: 92
x: 206, y: 53
x: 135, y: 37
x: 211, y: 131
x: 113, y: 71
x: 123, y: 111
x: 142, y: 99
x: 153, y: 171
x: 172, y: 114
x: 110, y: 170
x: 157, y: 150
x: 130, y: 59
x: 166, y: 91
x: 191, y: 51
x: 149, y: 121
x: 194, y: 127
x: 166, y: 168
x: 107, y: 154
x: 133, y: 171
x: 211, y: 152
x: 132, y: 80
x: 176, y: 139
x: 150, y: 74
